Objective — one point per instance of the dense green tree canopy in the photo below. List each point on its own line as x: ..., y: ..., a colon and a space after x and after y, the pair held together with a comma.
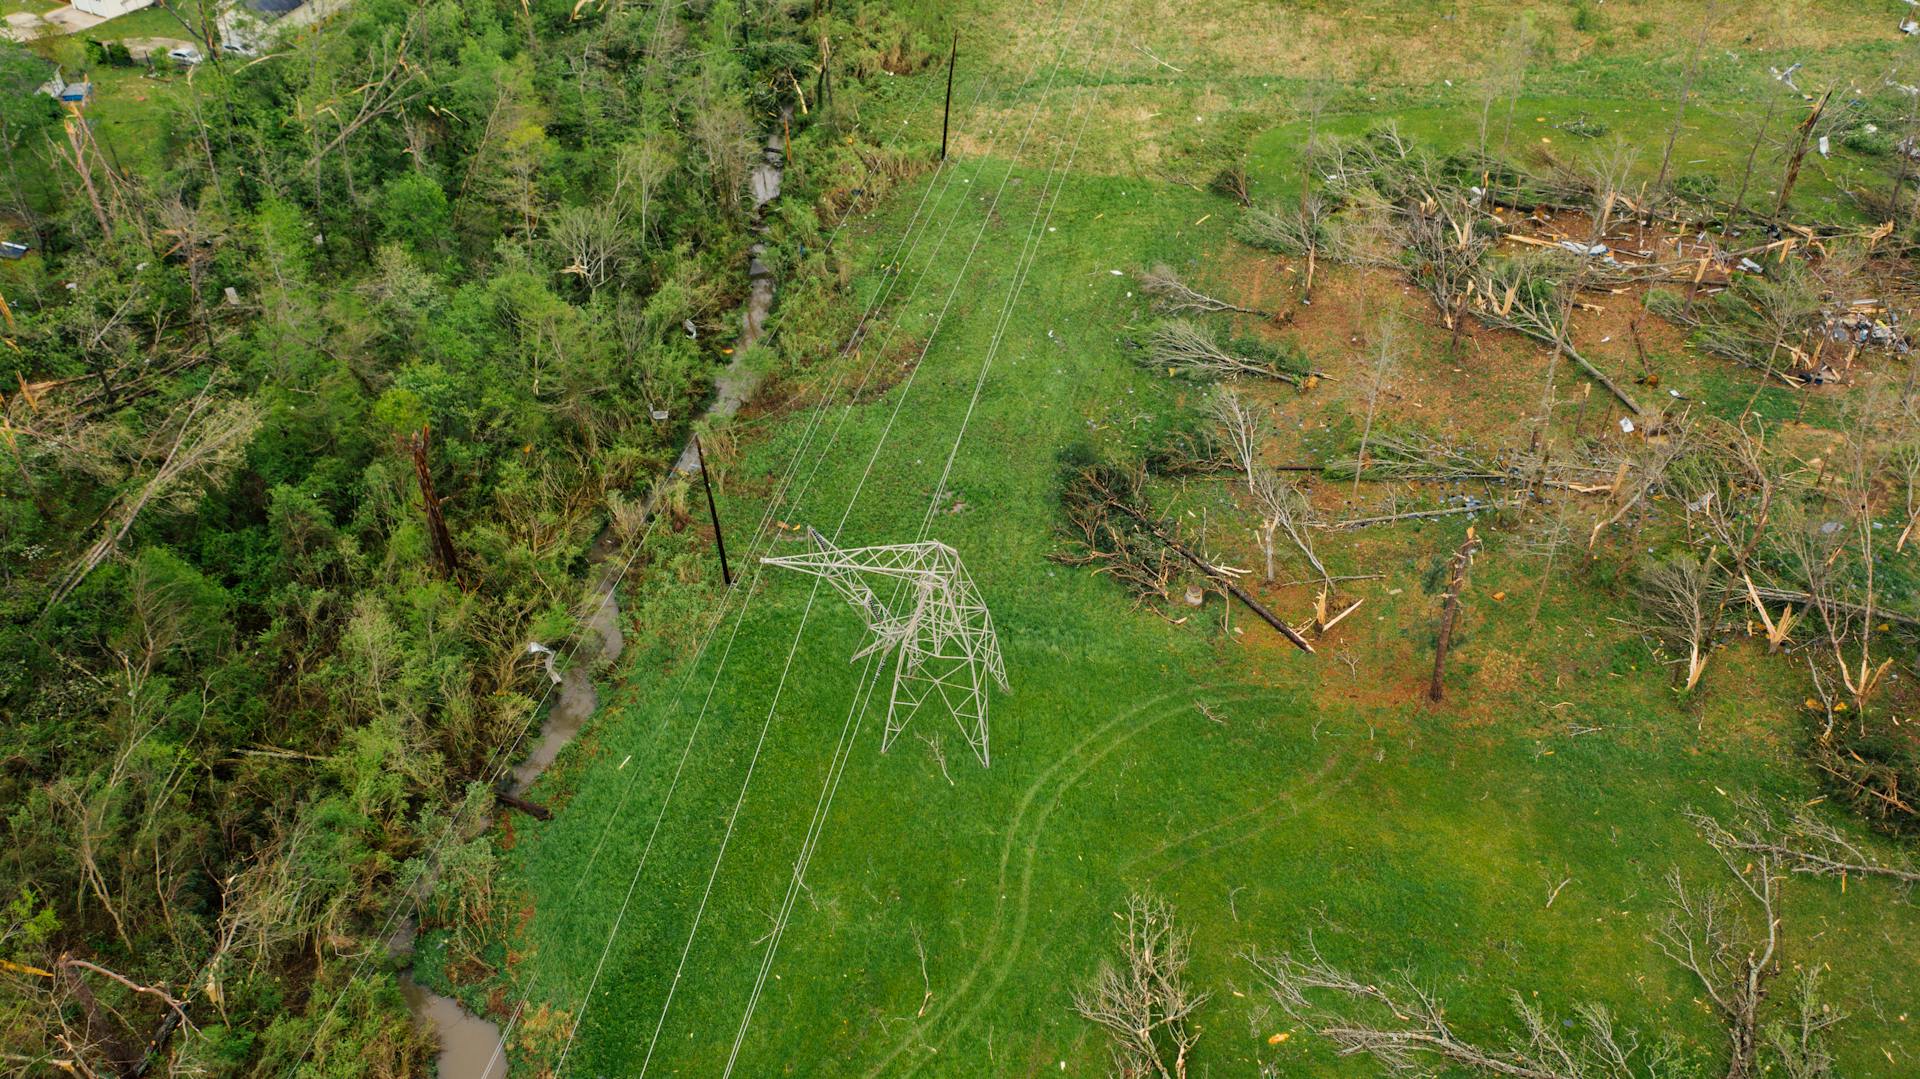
x: 242, y: 696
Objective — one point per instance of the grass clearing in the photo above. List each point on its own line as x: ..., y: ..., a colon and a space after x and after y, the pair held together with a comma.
x: 1331, y: 795
x: 129, y: 108
x: 944, y: 925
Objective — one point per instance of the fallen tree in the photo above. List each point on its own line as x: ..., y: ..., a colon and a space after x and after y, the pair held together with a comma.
x: 1181, y: 346
x: 1173, y: 296
x: 1727, y: 938
x: 1145, y: 1003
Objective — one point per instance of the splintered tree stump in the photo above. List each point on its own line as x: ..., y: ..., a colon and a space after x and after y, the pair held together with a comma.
x: 1450, y: 612
x: 444, y: 556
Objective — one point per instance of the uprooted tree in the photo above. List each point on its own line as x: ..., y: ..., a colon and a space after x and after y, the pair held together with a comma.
x: 1145, y: 1002
x: 1173, y: 296
x: 1728, y: 938
x: 1182, y: 346
x: 1105, y: 506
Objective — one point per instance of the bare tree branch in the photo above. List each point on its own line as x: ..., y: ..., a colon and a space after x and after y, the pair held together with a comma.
x: 1173, y: 296
x: 1145, y: 1004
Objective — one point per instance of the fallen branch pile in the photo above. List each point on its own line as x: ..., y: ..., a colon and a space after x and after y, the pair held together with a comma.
x: 1104, y: 530
x: 1172, y: 296
x: 1181, y: 346
x: 1413, y: 457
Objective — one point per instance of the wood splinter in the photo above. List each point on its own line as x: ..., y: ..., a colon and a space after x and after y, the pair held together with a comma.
x: 1225, y: 581
x: 1450, y: 611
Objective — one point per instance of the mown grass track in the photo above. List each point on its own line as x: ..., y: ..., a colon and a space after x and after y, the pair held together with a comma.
x: 1332, y: 799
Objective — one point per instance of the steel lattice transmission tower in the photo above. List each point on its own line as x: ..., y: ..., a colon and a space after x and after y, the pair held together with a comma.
x: 944, y: 638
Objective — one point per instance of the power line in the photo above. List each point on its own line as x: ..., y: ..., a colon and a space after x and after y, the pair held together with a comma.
x: 502, y: 756
x: 1077, y: 378
x: 767, y: 517
x: 857, y: 711
x: 733, y: 817
x: 693, y: 734
x: 749, y: 591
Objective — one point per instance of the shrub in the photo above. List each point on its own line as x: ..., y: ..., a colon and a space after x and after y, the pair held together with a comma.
x: 1585, y: 127
x: 1289, y: 229
x: 1868, y: 143
x: 1696, y: 186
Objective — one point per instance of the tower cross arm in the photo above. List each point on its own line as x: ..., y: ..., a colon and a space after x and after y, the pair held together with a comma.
x: 945, y: 641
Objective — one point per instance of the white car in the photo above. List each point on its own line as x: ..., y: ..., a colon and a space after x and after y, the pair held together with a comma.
x: 241, y: 48
x: 185, y: 54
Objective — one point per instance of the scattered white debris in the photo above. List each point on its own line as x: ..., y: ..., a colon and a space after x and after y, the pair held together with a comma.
x: 1626, y: 425
x: 535, y: 648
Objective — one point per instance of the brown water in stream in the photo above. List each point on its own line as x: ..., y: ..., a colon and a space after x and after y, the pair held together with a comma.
x: 470, y: 1046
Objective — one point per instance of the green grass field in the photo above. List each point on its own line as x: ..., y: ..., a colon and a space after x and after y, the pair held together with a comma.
x: 945, y: 923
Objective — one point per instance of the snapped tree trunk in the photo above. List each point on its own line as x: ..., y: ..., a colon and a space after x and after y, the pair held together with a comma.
x: 1802, y: 141
x: 1450, y: 612
x: 444, y: 556
x: 1746, y: 174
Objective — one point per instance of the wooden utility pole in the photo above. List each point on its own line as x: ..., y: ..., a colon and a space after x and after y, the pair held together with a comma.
x: 713, y: 512
x: 1450, y: 611
x: 444, y: 555
x: 953, y: 57
x: 503, y: 794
